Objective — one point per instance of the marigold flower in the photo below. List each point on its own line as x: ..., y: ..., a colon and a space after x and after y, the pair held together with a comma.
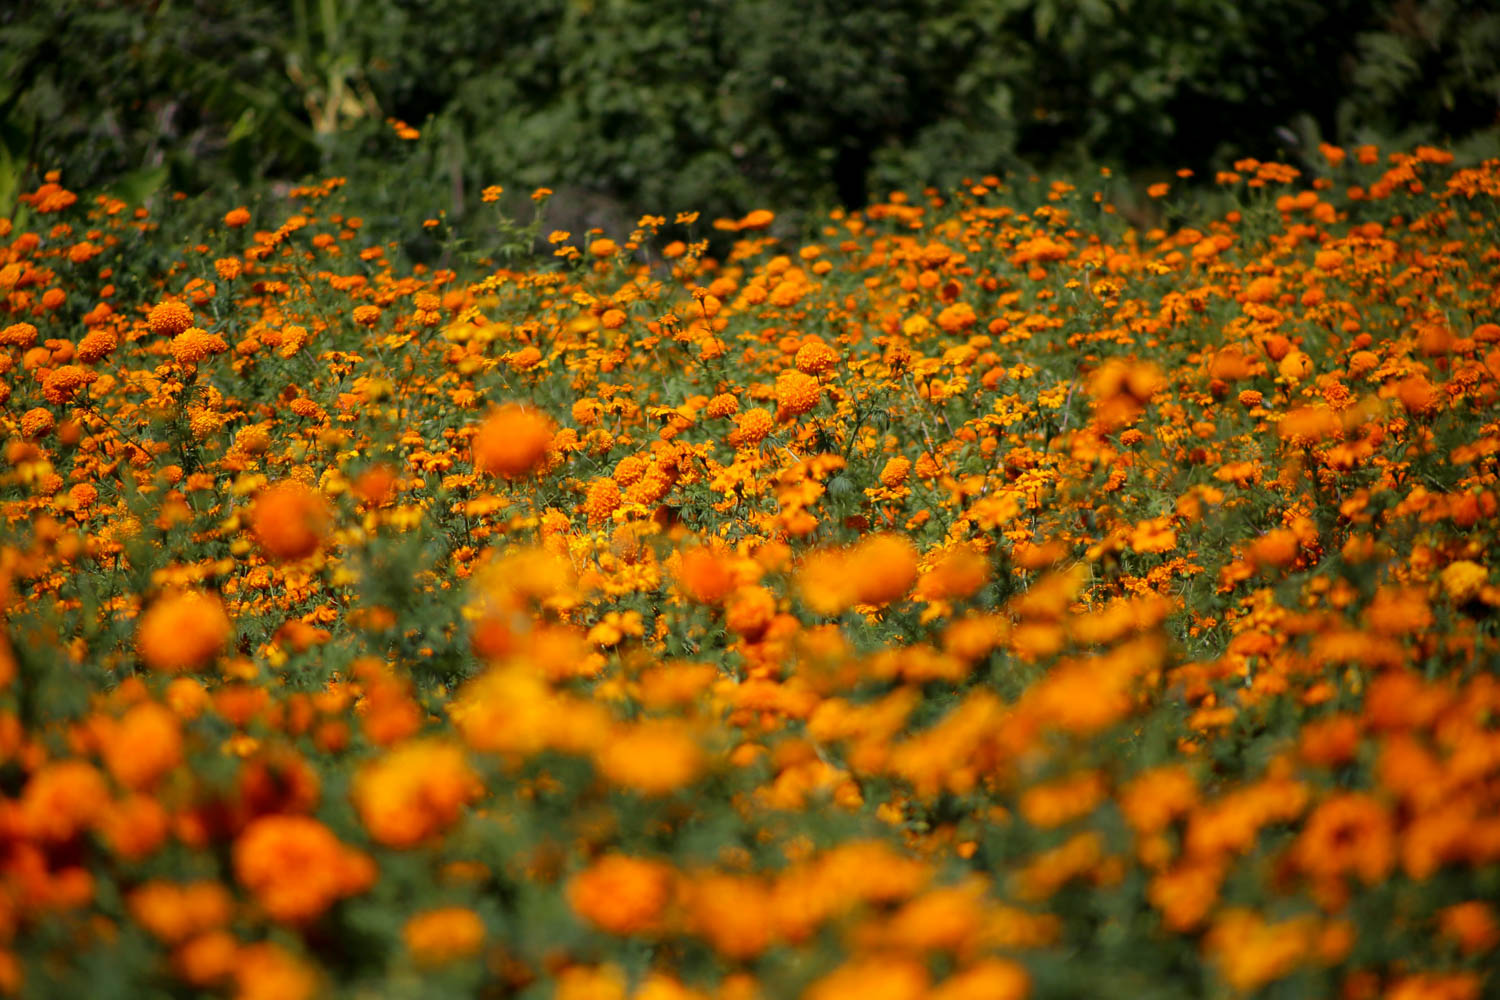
x: 60, y: 385
x: 236, y: 218
x: 754, y: 425
x: 796, y: 393
x: 1463, y: 580
x: 297, y: 868
x: 653, y: 757
x: 169, y: 317
x: 266, y: 971
x: 512, y: 442
x: 620, y: 894
x: 703, y: 575
x: 414, y: 792
x: 36, y: 423
x: 290, y: 520
x: 144, y: 745
x: 182, y: 631
x: 883, y: 568
x: 436, y: 937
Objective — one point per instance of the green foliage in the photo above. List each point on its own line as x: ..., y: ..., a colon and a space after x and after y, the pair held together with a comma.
x: 664, y: 105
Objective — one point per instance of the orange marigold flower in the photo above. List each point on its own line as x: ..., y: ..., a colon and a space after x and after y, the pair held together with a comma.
x: 61, y: 383
x: 194, y: 345
x: 62, y: 799
x: 266, y: 971
x: 447, y: 934
x: 1472, y: 925
x: 414, y: 792
x: 621, y: 895
x: 18, y: 335
x: 144, y: 745
x: 723, y: 405
x: 888, y: 977
x: 816, y: 358
x: 987, y: 979
x: 796, y: 393
x: 37, y: 422
x: 603, y: 248
x: 883, y: 568
x: 703, y: 575
x: 297, y: 868
x: 169, y: 317
x: 229, y: 268
x: 290, y: 520
x: 653, y: 757
x: 512, y: 442
x: 366, y: 315
x: 753, y: 426
x: 95, y: 345
x: 237, y: 217
x: 173, y: 913
x: 1350, y: 833
x: 895, y: 472
x: 182, y: 631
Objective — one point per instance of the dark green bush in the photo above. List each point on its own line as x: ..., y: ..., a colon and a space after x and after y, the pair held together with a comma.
x: 663, y: 105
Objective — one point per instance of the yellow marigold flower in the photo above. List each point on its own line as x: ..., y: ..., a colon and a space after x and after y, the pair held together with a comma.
x: 183, y: 631
x: 1463, y: 580
x: 169, y: 318
x: 436, y: 937
x: 620, y: 894
x: 290, y: 520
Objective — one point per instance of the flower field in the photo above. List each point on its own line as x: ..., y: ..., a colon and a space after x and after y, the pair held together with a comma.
x: 990, y: 598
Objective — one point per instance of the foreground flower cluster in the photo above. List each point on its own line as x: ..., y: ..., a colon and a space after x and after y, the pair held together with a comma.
x: 988, y: 600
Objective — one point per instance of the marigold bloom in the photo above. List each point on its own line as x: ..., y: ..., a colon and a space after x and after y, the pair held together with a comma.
x: 297, y: 868
x: 653, y: 757
x: 883, y: 568
x: 414, y: 792
x: 182, y: 631
x: 703, y: 575
x: 620, y: 894
x: 36, y: 423
x: 754, y: 425
x: 436, y: 937
x: 169, y: 317
x: 237, y: 217
x: 512, y: 442
x: 173, y: 913
x: 796, y: 393
x: 62, y: 799
x: 290, y: 520
x: 266, y: 971
x: 145, y: 744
